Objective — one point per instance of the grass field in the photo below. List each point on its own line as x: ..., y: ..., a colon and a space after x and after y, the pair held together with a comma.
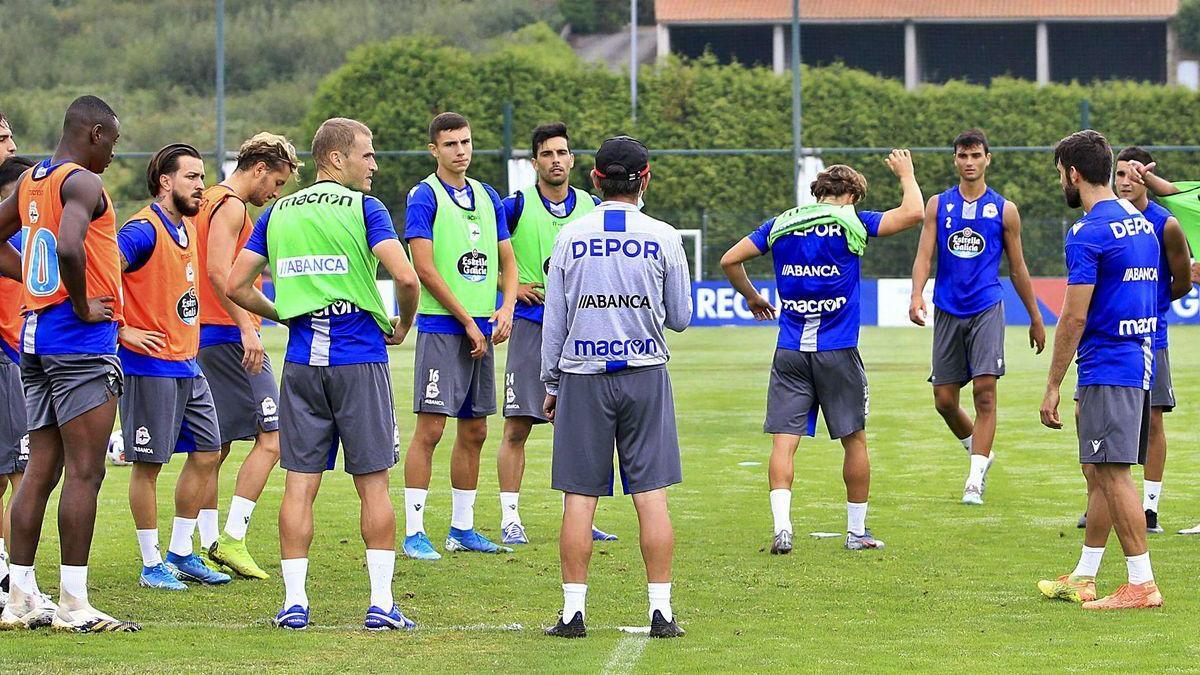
x: 953, y: 591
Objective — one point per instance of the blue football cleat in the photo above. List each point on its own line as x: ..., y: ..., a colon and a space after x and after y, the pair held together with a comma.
x: 470, y: 540
x: 601, y: 535
x: 513, y: 533
x: 418, y: 547
x: 192, y: 568
x: 377, y: 619
x: 292, y: 618
x: 160, y: 577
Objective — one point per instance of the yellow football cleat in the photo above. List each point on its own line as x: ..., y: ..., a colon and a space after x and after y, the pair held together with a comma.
x: 1069, y: 588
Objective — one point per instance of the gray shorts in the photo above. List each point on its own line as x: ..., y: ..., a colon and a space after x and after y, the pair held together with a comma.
x: 447, y: 381
x: 14, y: 432
x: 1162, y: 394
x: 246, y: 404
x: 320, y: 406
x: 965, y: 347
x: 161, y: 416
x: 801, y: 382
x: 61, y: 387
x: 1113, y: 424
x: 524, y: 391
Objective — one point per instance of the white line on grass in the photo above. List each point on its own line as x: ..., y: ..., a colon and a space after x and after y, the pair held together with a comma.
x: 626, y: 654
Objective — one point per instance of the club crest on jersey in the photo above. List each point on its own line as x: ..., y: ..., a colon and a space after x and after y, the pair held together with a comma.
x: 431, y: 386
x: 141, y: 436
x: 473, y: 230
x: 188, y: 306
x: 269, y: 407
x: 473, y: 266
x: 990, y: 211
x: 966, y: 243
x: 33, y: 213
x: 189, y: 273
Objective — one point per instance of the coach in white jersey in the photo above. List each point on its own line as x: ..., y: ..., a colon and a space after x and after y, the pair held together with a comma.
x: 615, y: 280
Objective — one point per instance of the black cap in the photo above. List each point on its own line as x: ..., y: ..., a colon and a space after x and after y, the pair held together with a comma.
x: 622, y: 158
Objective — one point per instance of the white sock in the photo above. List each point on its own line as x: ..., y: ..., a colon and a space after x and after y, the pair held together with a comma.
x: 1139, y: 568
x: 978, y: 467
x: 660, y: 599
x: 781, y: 509
x: 181, y: 536
x: 206, y: 522
x: 238, y: 520
x: 74, y: 582
x: 462, y: 504
x: 574, y: 598
x: 1151, y: 491
x: 968, y: 442
x: 3, y: 560
x: 22, y: 578
x: 295, y: 573
x: 856, y: 518
x: 380, y: 566
x: 508, y: 509
x: 414, y: 510
x: 1089, y: 562
x: 148, y: 543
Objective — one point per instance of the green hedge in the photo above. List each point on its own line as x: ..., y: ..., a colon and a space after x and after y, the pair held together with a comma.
x: 396, y: 87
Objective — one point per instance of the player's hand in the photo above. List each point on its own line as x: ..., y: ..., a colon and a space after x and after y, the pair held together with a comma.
x: 531, y: 294
x: 252, y: 352
x: 900, y: 162
x: 399, y: 332
x: 761, y: 308
x: 918, y: 312
x: 478, y: 341
x: 1037, y: 336
x: 1050, y: 410
x: 550, y: 406
x: 97, y: 310
x: 1138, y: 170
x: 148, y: 341
x: 501, y: 321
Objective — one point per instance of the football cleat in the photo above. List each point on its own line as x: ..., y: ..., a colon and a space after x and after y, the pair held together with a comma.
x: 378, y: 619
x: 572, y: 629
x: 782, y: 544
x: 1129, y: 596
x: 1070, y: 588
x: 191, y: 568
x: 35, y: 611
x: 661, y: 628
x: 292, y: 618
x: 1195, y: 529
x: 88, y: 619
x: 470, y: 540
x: 860, y: 542
x: 232, y: 553
x: 514, y: 534
x: 418, y: 547
x: 601, y: 535
x: 159, y: 576
x: 1152, y: 525
x: 973, y: 494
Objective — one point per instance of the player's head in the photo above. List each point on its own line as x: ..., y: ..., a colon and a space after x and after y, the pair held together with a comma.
x: 91, y: 130
x: 552, y: 158
x: 450, y: 142
x: 268, y: 160
x: 622, y: 169
x: 971, y: 155
x: 8, y: 146
x: 839, y: 184
x: 176, y: 173
x: 1126, y: 187
x: 11, y: 171
x: 343, y: 150
x: 1082, y: 157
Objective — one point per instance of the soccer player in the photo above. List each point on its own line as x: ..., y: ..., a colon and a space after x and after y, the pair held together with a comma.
x: 231, y: 350
x: 817, y: 253
x: 969, y: 225
x: 534, y: 217
x: 14, y: 436
x: 69, y: 366
x: 166, y: 406
x: 324, y: 244
x: 616, y: 279
x: 8, y: 144
x: 1110, y: 315
x: 459, y: 241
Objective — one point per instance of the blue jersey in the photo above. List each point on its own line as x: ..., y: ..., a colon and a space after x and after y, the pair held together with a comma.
x: 817, y: 279
x: 1114, y: 248
x: 341, y: 333
x: 1158, y: 215
x: 514, y: 206
x: 970, y: 238
x: 418, y: 224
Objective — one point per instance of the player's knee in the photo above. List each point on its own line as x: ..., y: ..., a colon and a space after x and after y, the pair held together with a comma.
x: 515, y: 437
x: 945, y: 402
x: 473, y: 434
x: 985, y: 399
x: 268, y: 442
x: 208, y: 461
